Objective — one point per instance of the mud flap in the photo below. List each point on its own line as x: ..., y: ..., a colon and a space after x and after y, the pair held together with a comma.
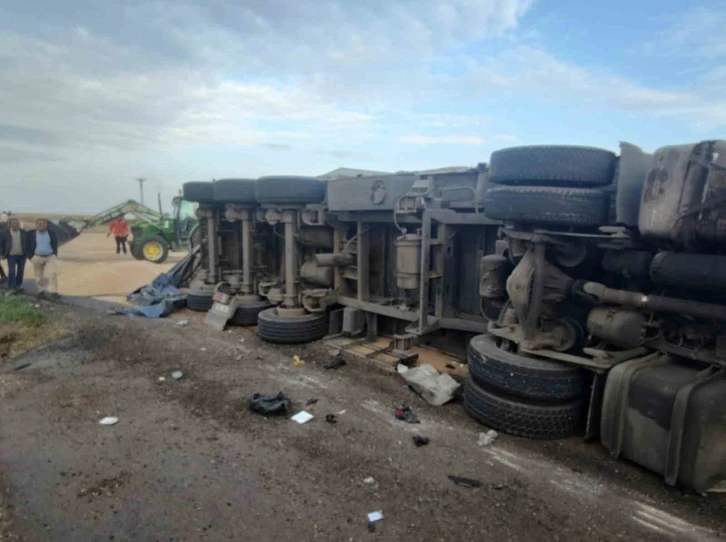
x: 223, y: 308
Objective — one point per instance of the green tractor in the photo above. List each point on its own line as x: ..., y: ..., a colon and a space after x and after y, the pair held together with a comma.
x: 152, y: 240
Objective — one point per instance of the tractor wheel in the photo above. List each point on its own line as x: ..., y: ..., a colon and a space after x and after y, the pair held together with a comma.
x: 154, y: 249
x: 136, y: 250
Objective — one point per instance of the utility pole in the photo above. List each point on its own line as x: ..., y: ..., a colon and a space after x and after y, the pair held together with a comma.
x: 141, y: 182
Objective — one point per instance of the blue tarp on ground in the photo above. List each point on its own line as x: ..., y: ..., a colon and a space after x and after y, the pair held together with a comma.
x: 162, y: 296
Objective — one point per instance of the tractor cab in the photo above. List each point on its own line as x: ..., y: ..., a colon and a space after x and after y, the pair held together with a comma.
x: 185, y: 220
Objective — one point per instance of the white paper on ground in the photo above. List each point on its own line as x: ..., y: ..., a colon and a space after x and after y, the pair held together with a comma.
x: 109, y: 420
x: 302, y: 417
x: 375, y: 516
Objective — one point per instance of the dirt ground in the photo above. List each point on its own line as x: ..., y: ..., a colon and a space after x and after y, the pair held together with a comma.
x: 188, y: 461
x: 89, y: 266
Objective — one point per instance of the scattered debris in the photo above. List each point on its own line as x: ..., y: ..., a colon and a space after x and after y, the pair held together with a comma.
x: 162, y: 378
x: 465, y: 482
x: 109, y: 420
x: 401, y: 368
x: 270, y: 404
x: 183, y: 323
x: 389, y: 459
x: 406, y: 414
x: 331, y: 418
x: 336, y: 363
x: 203, y: 349
x: 369, y: 481
x: 488, y: 438
x: 340, y: 413
x: 375, y: 516
x: 296, y: 361
x: 241, y: 340
x: 420, y: 440
x: 302, y: 417
x: 238, y: 358
x: 176, y: 375
x: 435, y: 388
x: 498, y: 487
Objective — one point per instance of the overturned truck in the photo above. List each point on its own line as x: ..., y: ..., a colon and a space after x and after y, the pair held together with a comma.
x: 585, y: 290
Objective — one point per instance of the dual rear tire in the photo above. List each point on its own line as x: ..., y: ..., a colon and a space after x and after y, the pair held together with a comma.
x: 522, y: 395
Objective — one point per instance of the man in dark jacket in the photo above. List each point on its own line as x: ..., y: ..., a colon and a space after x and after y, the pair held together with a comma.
x: 13, y: 242
x: 42, y: 249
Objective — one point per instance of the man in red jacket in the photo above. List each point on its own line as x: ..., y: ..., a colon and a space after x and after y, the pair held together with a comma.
x: 120, y: 230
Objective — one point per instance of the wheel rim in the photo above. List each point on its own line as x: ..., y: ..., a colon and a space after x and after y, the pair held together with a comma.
x: 152, y: 251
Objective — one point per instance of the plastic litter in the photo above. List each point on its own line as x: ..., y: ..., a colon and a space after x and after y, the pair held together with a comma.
x: 183, y: 323
x: 465, y: 482
x: 296, y: 361
x: 109, y: 420
x: 270, y: 404
x: 336, y: 363
x: 331, y: 418
x: 436, y: 389
x: 488, y: 438
x: 420, y: 440
x: 369, y: 481
x: 406, y: 414
x: 375, y: 516
x: 162, y: 378
x: 302, y: 417
x: 176, y: 375
x: 372, y: 518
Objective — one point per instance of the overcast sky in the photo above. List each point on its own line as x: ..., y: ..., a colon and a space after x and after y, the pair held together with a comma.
x: 95, y: 94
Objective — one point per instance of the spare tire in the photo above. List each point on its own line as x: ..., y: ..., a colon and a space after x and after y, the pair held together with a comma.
x: 552, y: 165
x: 548, y: 205
x: 274, y: 328
x: 523, y: 376
x: 199, y: 192
x: 289, y: 189
x: 235, y: 191
x: 522, y: 418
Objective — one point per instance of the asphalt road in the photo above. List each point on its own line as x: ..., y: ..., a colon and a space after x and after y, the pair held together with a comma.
x: 188, y: 461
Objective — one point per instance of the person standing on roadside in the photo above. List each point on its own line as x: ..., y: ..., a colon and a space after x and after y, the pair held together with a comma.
x: 13, y: 242
x: 120, y: 230
x: 42, y: 250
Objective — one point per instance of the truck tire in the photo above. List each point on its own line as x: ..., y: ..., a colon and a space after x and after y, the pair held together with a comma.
x: 552, y: 165
x: 235, y: 191
x: 289, y: 189
x: 521, y: 418
x: 199, y: 192
x: 274, y: 328
x: 523, y: 376
x: 200, y: 301
x: 548, y: 205
x: 154, y: 249
x: 246, y: 315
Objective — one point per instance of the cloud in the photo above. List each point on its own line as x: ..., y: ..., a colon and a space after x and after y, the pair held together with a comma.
x: 11, y: 155
x: 534, y: 72
x: 695, y: 32
x: 441, y: 140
